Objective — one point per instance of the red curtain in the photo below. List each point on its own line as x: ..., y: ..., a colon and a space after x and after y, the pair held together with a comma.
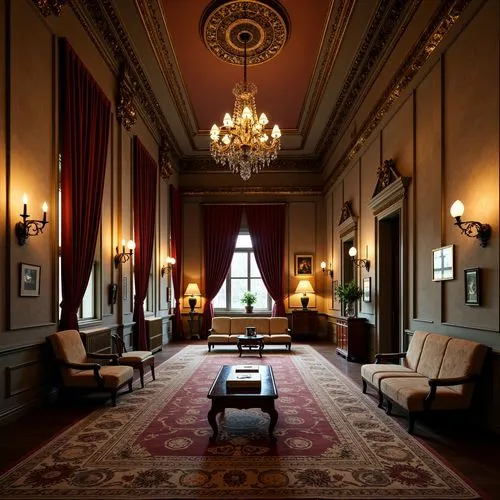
x: 266, y: 224
x: 176, y: 235
x: 85, y: 119
x: 221, y: 225
x: 145, y: 181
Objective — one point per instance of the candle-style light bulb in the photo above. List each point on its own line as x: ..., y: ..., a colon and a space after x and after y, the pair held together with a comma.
x: 25, y: 203
x: 123, y: 246
x: 45, y: 207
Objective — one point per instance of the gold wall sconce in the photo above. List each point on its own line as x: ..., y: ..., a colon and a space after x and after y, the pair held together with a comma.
x: 328, y: 270
x: 168, y: 264
x: 472, y: 229
x: 123, y: 256
x: 359, y: 262
x: 29, y: 227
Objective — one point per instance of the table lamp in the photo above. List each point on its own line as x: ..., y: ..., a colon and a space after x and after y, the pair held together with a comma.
x: 192, y: 290
x: 303, y: 287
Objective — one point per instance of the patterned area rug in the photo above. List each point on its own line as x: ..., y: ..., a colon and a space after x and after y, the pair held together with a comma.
x: 332, y: 442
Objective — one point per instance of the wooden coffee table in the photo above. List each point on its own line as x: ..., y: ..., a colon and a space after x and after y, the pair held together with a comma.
x: 250, y: 342
x: 223, y: 397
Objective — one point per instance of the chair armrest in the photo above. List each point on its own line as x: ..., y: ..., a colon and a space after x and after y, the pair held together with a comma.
x: 111, y: 357
x: 434, y: 383
x: 96, y: 367
x: 388, y: 356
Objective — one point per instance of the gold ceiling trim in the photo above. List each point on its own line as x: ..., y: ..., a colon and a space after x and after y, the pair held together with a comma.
x: 389, y: 22
x: 446, y: 17
x: 252, y: 191
x: 265, y: 22
x: 48, y: 7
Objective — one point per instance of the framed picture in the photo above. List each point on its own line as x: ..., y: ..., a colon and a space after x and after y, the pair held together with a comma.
x: 367, y: 289
x: 304, y: 265
x: 472, y: 281
x: 29, y: 281
x: 442, y: 263
x: 335, y: 284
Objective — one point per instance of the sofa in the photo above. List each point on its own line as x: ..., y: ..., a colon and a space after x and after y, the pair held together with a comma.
x: 225, y: 330
x: 437, y: 373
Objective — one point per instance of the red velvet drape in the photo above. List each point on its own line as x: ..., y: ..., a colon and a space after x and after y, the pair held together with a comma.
x: 85, y: 119
x: 221, y: 225
x: 145, y: 181
x: 266, y: 224
x: 176, y: 235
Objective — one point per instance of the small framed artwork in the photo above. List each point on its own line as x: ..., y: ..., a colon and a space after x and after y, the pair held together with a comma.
x: 304, y: 265
x: 335, y: 284
x: 29, y: 282
x: 472, y: 279
x: 442, y: 263
x: 367, y: 289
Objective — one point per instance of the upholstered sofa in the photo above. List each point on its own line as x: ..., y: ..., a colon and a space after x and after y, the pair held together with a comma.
x: 437, y: 373
x: 225, y: 330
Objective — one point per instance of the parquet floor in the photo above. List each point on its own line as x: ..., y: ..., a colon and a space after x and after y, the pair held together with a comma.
x: 475, y: 454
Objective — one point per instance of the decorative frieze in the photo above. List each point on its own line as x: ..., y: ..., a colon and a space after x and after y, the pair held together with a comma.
x: 126, y: 112
x: 166, y: 169
x: 49, y: 7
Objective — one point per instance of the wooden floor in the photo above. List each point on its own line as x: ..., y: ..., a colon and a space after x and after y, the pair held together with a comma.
x: 474, y: 454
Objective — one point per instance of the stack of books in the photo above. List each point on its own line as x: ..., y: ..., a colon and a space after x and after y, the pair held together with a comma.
x: 244, y: 376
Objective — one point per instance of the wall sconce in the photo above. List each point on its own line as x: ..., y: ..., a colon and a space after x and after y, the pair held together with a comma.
x: 304, y: 287
x: 192, y: 290
x: 168, y: 264
x: 359, y: 262
x: 329, y: 271
x: 121, y: 258
x: 30, y: 227
x: 472, y: 228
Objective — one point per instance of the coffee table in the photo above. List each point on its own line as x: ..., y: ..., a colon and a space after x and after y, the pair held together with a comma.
x: 250, y: 342
x: 243, y: 398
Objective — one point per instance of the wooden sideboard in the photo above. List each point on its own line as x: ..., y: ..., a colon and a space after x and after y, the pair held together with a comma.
x: 352, y: 338
x: 154, y: 330
x: 305, y: 322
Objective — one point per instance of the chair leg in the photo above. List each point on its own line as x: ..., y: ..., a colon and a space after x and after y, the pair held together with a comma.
x: 389, y: 407
x: 153, y: 371
x: 141, y: 372
x: 113, y: 397
x: 130, y: 385
x: 380, y: 399
x: 411, y: 422
x: 364, y: 386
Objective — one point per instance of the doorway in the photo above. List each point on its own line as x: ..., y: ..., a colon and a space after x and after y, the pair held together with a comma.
x: 389, y: 273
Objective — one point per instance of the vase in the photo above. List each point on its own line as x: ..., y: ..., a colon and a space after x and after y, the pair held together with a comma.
x: 350, y: 310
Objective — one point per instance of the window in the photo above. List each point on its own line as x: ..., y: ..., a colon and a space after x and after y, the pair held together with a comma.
x: 243, y: 275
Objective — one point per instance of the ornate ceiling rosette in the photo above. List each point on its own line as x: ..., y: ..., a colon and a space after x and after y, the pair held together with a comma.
x: 265, y: 24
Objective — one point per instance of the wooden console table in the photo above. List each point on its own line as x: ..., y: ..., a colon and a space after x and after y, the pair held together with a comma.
x: 352, y: 338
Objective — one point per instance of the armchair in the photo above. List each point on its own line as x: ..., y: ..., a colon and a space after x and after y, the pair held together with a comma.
x: 78, y: 371
x: 138, y: 360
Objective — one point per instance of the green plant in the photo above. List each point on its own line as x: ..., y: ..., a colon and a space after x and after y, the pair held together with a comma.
x: 348, y: 292
x: 249, y: 298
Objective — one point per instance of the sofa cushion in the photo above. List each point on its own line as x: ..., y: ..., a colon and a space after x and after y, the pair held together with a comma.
x: 114, y: 377
x: 238, y: 325
x: 278, y: 325
x: 218, y: 338
x: 431, y: 358
x: 462, y: 358
x: 373, y: 372
x: 410, y: 393
x: 415, y: 350
x: 221, y: 324
x: 278, y: 338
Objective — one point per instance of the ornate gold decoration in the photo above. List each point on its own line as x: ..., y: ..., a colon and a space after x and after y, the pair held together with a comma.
x: 126, y: 112
x: 165, y: 164
x: 348, y: 222
x: 48, y: 7
x: 266, y: 23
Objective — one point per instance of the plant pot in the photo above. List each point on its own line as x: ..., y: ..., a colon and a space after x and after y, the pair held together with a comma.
x: 350, y: 310
x: 249, y: 309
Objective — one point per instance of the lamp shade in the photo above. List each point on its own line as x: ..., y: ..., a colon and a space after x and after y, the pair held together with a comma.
x: 192, y: 289
x: 457, y: 209
x: 304, y: 286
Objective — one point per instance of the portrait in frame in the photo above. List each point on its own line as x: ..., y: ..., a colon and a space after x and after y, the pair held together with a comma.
x: 29, y: 281
x: 472, y: 279
x: 304, y: 265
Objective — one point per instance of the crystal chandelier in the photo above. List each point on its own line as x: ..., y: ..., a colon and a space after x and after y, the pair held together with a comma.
x: 243, y: 142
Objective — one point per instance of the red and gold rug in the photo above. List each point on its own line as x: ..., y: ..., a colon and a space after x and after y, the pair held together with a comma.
x: 332, y: 442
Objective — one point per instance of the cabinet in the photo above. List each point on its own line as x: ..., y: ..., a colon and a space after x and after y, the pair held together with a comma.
x: 352, y: 338
x: 154, y: 330
x: 305, y: 322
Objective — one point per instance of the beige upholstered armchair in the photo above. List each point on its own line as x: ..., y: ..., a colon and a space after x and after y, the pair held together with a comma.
x: 138, y: 360
x: 78, y: 371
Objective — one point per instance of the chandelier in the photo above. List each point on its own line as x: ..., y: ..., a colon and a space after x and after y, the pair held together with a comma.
x: 242, y: 141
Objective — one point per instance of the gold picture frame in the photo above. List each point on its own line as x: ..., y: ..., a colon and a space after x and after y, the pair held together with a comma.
x: 304, y: 265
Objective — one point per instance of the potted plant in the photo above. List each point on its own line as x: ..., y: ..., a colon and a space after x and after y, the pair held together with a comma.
x: 349, y: 293
x: 248, y: 300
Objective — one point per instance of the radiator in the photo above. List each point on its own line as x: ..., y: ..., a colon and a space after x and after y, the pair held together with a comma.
x: 97, y: 340
x: 154, y: 331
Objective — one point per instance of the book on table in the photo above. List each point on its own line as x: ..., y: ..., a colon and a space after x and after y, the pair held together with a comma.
x: 243, y: 379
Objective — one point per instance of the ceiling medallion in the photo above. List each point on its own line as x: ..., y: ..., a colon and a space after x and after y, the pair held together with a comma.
x: 265, y: 22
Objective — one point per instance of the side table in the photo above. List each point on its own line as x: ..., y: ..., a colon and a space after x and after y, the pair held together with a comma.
x: 250, y: 342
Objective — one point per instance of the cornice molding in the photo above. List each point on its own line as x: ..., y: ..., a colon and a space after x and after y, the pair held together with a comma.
x: 252, y: 191
x: 102, y: 23
x: 444, y: 20
x: 391, y: 19
x: 49, y: 7
x: 348, y: 222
